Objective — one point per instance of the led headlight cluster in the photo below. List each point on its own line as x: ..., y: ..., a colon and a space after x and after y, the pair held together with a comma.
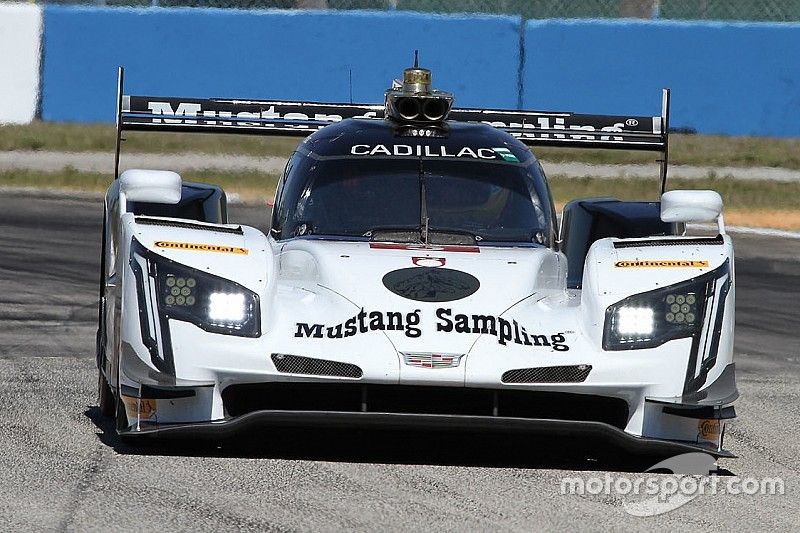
x: 179, y: 291
x: 210, y: 302
x: 681, y: 308
x: 227, y: 307
x: 652, y: 318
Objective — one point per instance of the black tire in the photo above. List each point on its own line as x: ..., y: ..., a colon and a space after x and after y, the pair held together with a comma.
x: 106, y: 401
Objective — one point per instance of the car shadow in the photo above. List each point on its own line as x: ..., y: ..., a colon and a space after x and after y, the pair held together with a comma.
x: 484, y: 449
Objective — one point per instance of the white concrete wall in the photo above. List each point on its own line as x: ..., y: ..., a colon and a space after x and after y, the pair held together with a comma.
x: 20, y: 43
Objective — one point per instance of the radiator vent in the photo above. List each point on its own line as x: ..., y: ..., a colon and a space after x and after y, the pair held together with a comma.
x: 548, y: 374
x: 694, y: 241
x: 296, y: 364
x: 188, y: 225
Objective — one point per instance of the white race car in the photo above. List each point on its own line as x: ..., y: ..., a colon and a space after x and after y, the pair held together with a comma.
x: 414, y: 275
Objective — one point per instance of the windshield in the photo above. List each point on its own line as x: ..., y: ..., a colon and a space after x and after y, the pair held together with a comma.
x: 413, y: 200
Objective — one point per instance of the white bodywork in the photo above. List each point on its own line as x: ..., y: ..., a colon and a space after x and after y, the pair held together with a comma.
x: 309, y: 289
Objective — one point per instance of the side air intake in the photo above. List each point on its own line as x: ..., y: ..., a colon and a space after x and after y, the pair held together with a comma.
x: 548, y: 374
x: 296, y: 364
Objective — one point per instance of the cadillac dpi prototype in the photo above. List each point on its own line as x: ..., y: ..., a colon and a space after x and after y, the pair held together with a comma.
x: 414, y: 275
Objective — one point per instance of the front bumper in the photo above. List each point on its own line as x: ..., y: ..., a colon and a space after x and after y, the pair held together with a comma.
x: 672, y: 425
x: 589, y: 433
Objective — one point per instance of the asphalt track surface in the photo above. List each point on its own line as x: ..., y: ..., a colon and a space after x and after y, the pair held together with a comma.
x: 62, y: 467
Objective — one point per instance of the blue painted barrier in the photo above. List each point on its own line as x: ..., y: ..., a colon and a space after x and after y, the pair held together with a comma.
x: 727, y: 78
x: 268, y: 54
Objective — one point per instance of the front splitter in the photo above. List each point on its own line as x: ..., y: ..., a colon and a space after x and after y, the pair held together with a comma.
x: 542, y: 428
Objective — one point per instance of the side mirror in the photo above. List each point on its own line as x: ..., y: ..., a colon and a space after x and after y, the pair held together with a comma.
x: 153, y: 186
x: 692, y: 206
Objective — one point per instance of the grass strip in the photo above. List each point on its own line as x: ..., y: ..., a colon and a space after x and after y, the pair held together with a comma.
x: 248, y: 184
x: 67, y: 137
x: 736, y: 194
x: 698, y: 150
x: 751, y: 203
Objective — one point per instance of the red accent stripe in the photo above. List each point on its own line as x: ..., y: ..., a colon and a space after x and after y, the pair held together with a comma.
x: 423, y: 247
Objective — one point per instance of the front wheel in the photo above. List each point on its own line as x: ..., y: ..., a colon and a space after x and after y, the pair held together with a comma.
x: 105, y: 396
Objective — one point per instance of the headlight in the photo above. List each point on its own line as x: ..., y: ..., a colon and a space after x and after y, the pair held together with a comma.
x: 210, y: 302
x: 652, y: 318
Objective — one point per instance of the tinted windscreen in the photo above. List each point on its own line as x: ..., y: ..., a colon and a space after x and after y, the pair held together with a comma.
x: 494, y: 202
x: 495, y: 206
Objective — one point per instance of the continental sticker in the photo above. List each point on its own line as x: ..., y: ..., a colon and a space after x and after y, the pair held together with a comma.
x: 196, y: 247
x: 666, y: 263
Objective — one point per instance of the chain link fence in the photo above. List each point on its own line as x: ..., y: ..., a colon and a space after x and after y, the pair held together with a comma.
x: 749, y: 10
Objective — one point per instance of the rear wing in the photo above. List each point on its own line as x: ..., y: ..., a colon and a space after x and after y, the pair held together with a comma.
x: 287, y: 118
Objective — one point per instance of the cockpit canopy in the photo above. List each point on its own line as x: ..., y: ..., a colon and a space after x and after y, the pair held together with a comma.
x: 453, y: 190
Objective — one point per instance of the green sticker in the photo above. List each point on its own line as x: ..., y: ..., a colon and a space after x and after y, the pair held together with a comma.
x: 506, y: 154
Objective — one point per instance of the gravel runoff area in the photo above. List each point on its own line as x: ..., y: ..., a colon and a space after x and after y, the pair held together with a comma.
x: 103, y: 162
x: 64, y: 469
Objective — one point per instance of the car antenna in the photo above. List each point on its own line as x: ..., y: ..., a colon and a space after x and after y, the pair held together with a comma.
x: 351, y: 85
x: 425, y: 222
x: 423, y: 208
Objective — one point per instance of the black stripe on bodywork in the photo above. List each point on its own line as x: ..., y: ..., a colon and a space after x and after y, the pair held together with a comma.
x: 694, y: 382
x: 161, y: 392
x: 700, y: 412
x: 164, y: 361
